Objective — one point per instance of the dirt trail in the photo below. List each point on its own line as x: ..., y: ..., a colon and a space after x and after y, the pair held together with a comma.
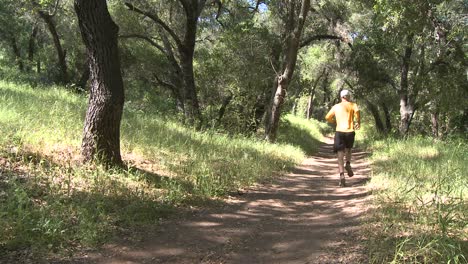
x: 303, y: 217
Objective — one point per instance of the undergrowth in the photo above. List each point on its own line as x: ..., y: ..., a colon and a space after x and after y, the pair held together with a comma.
x: 50, y: 202
x: 420, y: 201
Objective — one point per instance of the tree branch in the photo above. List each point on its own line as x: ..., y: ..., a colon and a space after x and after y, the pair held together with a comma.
x: 146, y: 38
x: 257, y: 5
x: 220, y: 6
x: 55, y: 8
x: 157, y: 20
x: 168, y: 85
x: 310, y: 39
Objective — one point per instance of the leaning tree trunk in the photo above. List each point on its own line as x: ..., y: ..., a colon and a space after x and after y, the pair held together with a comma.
x: 285, y: 77
x: 176, y: 76
x: 61, y: 54
x: 310, y: 102
x: 101, y: 137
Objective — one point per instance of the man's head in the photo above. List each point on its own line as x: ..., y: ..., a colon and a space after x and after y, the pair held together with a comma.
x: 346, y: 94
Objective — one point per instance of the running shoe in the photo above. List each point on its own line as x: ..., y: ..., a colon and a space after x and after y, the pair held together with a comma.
x: 342, y: 180
x: 348, y: 169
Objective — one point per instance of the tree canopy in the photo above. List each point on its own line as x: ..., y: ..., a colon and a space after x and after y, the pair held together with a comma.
x: 217, y: 63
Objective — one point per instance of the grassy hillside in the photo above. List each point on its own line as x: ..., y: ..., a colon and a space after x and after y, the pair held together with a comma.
x: 420, y: 201
x: 50, y: 202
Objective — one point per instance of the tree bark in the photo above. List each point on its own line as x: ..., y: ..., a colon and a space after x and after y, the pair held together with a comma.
x: 406, y: 102
x: 286, y: 75
x: 192, y: 108
x: 192, y: 9
x: 61, y: 54
x: 101, y: 136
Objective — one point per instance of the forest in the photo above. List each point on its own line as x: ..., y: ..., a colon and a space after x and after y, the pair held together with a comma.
x: 116, y: 114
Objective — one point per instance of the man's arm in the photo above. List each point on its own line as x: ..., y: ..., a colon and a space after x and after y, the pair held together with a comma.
x: 330, y: 115
x: 357, y: 118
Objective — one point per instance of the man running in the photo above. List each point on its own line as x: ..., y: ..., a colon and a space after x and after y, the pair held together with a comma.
x: 347, y: 118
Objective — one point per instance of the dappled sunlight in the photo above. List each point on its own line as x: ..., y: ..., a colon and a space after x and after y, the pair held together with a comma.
x: 420, y: 197
x: 168, y: 165
x: 300, y: 215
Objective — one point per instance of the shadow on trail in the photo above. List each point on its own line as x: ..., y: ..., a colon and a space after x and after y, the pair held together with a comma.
x: 301, y: 218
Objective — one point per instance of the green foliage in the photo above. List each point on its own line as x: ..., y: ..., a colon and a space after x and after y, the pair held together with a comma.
x: 49, y: 200
x: 420, y: 201
x: 234, y: 65
x: 302, y: 133
x: 51, y: 203
x: 436, y: 77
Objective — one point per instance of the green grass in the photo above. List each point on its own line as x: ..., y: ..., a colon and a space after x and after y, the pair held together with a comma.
x: 420, y: 201
x: 49, y: 202
x: 302, y: 133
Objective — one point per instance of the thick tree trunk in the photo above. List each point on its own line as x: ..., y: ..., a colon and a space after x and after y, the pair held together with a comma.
x: 406, y: 114
x: 191, y: 105
x: 284, y: 79
x: 187, y: 50
x: 101, y: 136
x: 406, y: 104
x: 275, y: 111
x: 61, y: 54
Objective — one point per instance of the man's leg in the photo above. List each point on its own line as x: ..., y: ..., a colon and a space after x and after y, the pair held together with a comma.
x: 341, y: 154
x: 348, y: 154
x: 348, y: 162
x: 339, y: 147
x: 349, y: 142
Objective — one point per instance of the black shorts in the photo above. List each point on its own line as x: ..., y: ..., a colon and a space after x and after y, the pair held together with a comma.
x: 343, y: 140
